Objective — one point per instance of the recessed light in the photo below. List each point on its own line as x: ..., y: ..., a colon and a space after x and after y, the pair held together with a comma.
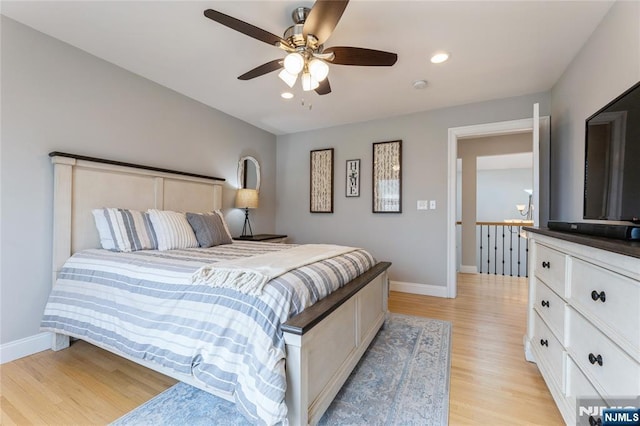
x: 286, y: 95
x: 439, y: 57
x: 419, y: 84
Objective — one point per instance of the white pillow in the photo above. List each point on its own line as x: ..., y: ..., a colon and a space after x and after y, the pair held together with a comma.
x: 172, y: 230
x: 124, y: 230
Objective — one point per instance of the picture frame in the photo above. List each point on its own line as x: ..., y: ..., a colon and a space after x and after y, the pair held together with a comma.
x: 352, y: 178
x: 321, y: 181
x: 387, y: 177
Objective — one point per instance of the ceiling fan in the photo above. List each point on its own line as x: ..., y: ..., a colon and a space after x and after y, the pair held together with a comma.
x: 304, y: 43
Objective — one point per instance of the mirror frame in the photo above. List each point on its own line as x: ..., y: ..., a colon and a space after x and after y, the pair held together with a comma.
x: 241, y: 164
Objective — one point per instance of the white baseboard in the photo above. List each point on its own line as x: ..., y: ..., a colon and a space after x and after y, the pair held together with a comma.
x: 423, y: 289
x: 528, y: 355
x: 28, y: 346
x: 468, y: 269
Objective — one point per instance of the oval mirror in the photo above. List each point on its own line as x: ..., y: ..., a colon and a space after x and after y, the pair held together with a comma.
x: 249, y: 173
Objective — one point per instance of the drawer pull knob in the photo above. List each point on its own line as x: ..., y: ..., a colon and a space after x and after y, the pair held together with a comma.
x: 544, y: 342
x: 593, y: 359
x: 545, y: 303
x: 595, y: 296
x: 546, y: 265
x: 595, y: 422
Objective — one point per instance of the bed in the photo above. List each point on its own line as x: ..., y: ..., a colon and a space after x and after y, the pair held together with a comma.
x: 346, y: 320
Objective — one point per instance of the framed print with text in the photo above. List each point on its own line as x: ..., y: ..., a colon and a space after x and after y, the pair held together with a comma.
x: 353, y: 178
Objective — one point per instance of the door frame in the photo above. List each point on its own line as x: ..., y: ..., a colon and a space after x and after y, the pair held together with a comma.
x: 480, y: 130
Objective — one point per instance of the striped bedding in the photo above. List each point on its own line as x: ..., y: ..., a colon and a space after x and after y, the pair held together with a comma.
x: 142, y: 304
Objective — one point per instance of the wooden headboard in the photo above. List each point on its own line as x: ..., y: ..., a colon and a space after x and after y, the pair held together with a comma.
x: 85, y: 183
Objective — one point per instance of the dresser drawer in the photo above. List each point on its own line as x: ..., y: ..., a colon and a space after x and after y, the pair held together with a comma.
x: 550, y: 268
x: 619, y: 311
x: 601, y: 360
x: 551, y: 308
x: 548, y: 351
x: 578, y: 386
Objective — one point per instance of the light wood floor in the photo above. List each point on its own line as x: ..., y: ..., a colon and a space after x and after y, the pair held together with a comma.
x: 491, y: 383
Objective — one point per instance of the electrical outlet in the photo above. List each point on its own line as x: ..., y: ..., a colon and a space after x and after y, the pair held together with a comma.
x: 432, y: 204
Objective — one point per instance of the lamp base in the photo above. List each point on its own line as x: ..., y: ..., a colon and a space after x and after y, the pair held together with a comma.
x: 247, y: 225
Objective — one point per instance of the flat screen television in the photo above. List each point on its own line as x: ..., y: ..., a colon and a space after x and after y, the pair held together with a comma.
x: 612, y: 160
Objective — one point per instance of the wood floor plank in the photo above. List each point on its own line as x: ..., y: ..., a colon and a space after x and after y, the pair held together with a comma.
x: 491, y: 383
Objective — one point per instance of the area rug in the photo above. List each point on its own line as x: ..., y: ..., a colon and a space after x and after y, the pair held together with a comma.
x: 402, y: 379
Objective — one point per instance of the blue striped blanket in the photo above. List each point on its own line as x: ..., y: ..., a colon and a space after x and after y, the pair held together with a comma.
x: 143, y: 304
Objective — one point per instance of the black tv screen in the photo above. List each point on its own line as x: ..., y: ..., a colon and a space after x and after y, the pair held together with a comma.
x: 612, y: 160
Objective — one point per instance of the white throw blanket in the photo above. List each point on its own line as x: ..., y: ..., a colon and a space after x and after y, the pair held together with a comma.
x: 250, y: 274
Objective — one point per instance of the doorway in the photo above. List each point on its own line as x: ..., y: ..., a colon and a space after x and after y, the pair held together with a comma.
x: 495, y: 178
x: 540, y: 130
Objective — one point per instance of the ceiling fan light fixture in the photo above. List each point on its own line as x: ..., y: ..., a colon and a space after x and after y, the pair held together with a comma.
x: 286, y: 95
x: 308, y: 82
x: 294, y: 63
x: 318, y: 69
x: 288, y: 78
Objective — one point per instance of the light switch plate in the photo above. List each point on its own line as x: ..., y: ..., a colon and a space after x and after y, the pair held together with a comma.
x: 423, y: 205
x: 432, y: 204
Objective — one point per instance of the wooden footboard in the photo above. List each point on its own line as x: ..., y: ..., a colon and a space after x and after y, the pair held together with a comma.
x: 326, y: 341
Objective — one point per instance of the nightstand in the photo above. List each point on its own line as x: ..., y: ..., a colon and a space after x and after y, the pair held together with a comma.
x: 264, y: 238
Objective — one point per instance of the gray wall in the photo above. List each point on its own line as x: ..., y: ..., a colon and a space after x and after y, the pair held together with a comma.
x: 415, y: 241
x: 499, y: 191
x: 607, y: 65
x: 56, y: 97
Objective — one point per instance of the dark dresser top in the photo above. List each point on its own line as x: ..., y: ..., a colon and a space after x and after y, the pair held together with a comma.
x: 627, y: 248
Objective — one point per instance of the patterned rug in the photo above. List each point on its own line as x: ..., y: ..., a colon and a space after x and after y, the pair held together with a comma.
x: 402, y: 379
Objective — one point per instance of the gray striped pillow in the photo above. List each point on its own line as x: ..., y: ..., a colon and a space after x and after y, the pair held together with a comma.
x: 209, y: 229
x: 124, y: 230
x: 172, y: 230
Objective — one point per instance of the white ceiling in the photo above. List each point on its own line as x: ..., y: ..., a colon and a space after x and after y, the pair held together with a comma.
x: 499, y: 49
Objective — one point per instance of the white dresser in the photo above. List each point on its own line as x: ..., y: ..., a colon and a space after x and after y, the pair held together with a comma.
x: 583, y: 326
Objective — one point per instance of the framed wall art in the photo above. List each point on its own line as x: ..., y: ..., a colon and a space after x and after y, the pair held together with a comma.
x: 321, y: 181
x: 353, y: 178
x: 387, y: 177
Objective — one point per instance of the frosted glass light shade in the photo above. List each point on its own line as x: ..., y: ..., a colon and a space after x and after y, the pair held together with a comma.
x: 293, y: 63
x: 308, y: 82
x: 288, y: 78
x: 318, y: 69
x: 247, y: 198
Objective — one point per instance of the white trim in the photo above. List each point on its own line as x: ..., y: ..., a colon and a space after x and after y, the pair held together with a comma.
x: 24, y: 347
x: 535, y: 147
x: 476, y: 130
x: 422, y: 289
x: 468, y: 269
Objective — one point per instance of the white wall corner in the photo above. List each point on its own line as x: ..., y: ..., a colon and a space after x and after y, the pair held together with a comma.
x: 422, y: 289
x: 468, y: 269
x: 24, y: 347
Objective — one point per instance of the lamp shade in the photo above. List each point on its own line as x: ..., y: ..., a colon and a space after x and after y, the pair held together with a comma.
x: 247, y: 198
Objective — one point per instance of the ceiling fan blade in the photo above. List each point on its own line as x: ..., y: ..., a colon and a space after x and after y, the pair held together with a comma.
x: 324, y: 88
x: 244, y: 28
x: 262, y: 69
x: 323, y: 18
x: 361, y: 56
